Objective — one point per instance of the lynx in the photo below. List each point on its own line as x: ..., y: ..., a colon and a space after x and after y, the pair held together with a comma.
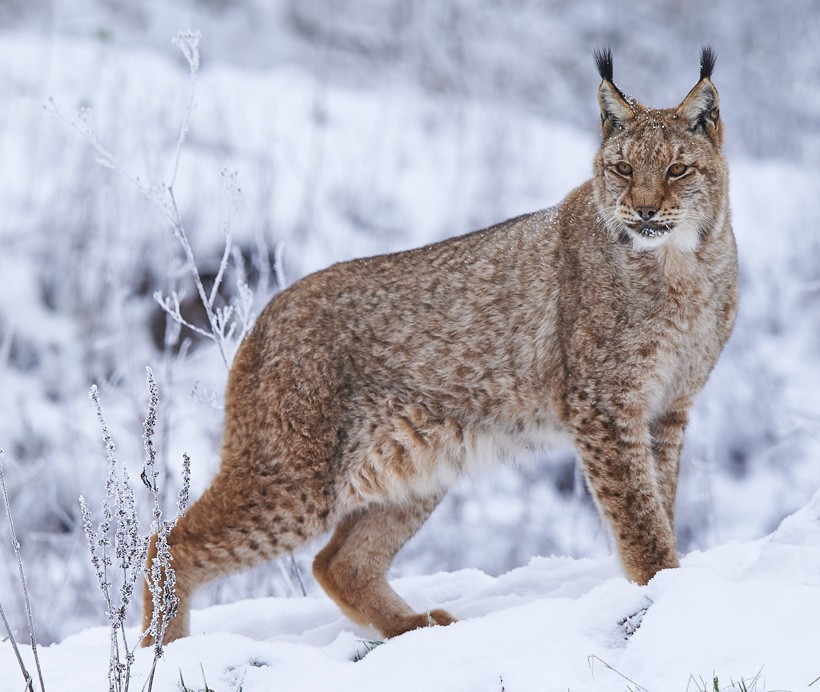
x: 364, y: 390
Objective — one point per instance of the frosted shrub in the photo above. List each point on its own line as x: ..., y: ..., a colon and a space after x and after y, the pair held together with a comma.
x: 119, y: 531
x: 227, y: 321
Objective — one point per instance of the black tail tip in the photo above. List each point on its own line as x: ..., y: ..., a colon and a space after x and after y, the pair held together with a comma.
x: 707, y: 62
x: 603, y: 61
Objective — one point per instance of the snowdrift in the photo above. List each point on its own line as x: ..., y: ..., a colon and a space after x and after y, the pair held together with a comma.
x: 741, y: 612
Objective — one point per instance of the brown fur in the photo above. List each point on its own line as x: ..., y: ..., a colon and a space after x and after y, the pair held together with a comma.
x: 365, y: 389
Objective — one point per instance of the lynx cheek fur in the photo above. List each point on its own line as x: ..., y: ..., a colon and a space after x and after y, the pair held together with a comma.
x: 365, y: 389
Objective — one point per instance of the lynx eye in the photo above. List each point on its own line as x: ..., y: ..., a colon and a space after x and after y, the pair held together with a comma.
x: 623, y: 168
x: 676, y: 170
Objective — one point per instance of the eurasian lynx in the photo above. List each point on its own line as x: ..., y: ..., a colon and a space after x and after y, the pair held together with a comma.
x: 365, y: 389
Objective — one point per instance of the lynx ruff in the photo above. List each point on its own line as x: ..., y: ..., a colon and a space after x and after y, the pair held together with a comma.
x: 365, y: 389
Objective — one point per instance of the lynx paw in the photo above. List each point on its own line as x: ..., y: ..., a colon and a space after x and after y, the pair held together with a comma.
x: 419, y: 620
x: 440, y: 617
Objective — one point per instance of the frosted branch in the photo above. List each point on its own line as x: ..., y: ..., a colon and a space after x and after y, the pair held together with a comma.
x: 27, y: 602
x: 171, y: 306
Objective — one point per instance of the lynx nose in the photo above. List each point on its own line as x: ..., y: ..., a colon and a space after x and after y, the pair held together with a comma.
x: 646, y: 213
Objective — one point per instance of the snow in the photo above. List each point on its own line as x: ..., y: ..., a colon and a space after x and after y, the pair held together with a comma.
x: 740, y: 611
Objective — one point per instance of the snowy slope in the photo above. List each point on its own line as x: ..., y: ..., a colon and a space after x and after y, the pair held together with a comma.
x: 741, y: 612
x: 331, y: 170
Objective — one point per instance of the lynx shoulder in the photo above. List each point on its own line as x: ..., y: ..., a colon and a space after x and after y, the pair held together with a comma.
x: 365, y: 389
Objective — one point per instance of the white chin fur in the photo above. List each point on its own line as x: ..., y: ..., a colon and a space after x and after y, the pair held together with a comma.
x: 684, y: 236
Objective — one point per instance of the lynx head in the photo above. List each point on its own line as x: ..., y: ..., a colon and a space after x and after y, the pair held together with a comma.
x: 660, y: 176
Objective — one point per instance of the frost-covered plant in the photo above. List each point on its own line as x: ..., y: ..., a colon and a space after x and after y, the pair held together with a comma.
x: 228, y: 323
x: 118, y: 508
x: 27, y: 602
x: 119, y: 528
x: 160, y: 577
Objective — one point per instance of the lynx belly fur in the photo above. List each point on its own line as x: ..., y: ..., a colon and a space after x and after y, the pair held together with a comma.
x: 365, y: 389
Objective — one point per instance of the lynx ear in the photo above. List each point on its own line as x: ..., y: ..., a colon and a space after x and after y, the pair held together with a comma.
x: 700, y: 107
x: 616, y: 110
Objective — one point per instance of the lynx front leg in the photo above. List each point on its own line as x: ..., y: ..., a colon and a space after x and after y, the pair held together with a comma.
x: 667, y: 442
x: 617, y: 459
x: 352, y: 568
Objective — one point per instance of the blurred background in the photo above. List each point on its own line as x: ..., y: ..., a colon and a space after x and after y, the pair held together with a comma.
x: 327, y: 130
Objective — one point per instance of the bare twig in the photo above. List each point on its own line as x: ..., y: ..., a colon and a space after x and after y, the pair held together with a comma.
x: 223, y: 265
x: 279, y: 266
x: 27, y: 602
x: 26, y: 674
x: 692, y: 680
x: 591, y: 659
x: 296, y: 573
x: 171, y: 306
x: 182, y: 237
x: 188, y: 44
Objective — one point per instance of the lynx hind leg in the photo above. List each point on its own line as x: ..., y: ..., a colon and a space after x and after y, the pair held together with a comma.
x: 352, y: 568
x: 617, y: 458
x: 239, y: 521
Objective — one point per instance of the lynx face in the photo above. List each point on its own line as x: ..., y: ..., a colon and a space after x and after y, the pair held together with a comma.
x: 657, y: 178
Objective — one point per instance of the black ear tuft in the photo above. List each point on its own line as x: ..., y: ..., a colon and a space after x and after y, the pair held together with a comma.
x: 707, y: 62
x: 603, y: 61
x: 617, y: 110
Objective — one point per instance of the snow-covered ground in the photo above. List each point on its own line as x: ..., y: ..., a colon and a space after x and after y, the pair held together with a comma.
x: 342, y: 166
x: 744, y: 613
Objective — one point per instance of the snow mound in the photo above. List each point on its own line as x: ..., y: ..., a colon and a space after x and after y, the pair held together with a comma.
x: 740, y: 611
